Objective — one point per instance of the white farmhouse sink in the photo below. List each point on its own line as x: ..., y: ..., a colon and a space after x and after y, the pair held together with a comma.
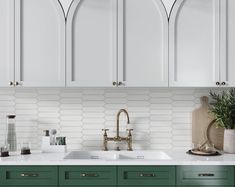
x: 118, y: 155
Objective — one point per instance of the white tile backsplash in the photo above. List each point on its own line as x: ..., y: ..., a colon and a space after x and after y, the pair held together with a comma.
x: 161, y: 118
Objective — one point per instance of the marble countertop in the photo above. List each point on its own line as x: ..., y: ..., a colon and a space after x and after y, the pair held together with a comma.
x: 176, y: 158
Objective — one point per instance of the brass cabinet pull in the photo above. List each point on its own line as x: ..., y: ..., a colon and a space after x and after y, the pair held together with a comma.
x: 11, y: 83
x: 206, y: 175
x: 29, y: 175
x: 217, y: 83
x: 89, y: 175
x: 147, y: 175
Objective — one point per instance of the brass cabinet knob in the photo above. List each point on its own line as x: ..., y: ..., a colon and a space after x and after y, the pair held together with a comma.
x: 11, y: 83
x: 223, y: 83
x: 120, y: 83
x: 217, y: 83
x: 17, y: 83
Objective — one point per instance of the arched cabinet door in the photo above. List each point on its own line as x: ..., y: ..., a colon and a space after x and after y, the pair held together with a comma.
x: 196, y: 43
x: 6, y: 42
x: 39, y: 43
x: 143, y: 43
x: 91, y: 43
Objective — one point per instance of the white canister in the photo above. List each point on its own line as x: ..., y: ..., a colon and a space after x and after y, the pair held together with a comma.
x: 229, y: 141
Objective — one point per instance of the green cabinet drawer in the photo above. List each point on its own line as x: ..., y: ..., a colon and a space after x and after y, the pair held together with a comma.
x: 90, y: 186
x: 146, y: 175
x: 28, y: 175
x: 207, y: 186
x: 29, y: 185
x: 87, y: 175
x: 205, y: 175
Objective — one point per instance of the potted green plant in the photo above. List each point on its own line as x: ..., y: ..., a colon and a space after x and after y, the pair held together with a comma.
x: 222, y: 108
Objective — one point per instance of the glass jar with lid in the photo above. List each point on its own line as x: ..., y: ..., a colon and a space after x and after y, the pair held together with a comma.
x: 11, y: 133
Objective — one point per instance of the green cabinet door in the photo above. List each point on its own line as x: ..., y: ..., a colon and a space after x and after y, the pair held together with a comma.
x: 28, y: 176
x: 205, y: 175
x: 87, y: 176
x: 142, y: 176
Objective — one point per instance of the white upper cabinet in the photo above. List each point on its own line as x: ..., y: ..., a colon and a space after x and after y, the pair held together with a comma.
x: 6, y: 42
x: 229, y: 67
x: 197, y: 43
x: 39, y: 43
x: 92, y: 43
x: 142, y: 43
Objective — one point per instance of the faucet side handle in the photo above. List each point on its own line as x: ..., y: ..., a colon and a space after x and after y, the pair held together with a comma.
x: 105, y: 131
x: 129, y: 131
x: 129, y: 139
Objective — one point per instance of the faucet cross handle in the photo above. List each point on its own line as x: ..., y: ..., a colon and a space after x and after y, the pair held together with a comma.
x: 129, y: 131
x: 105, y: 131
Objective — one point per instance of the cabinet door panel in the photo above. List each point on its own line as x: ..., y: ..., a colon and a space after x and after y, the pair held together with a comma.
x: 87, y: 175
x: 201, y: 175
x: 195, y: 43
x: 147, y: 175
x: 206, y: 186
x: 91, y: 186
x: 40, y: 43
x: 143, y: 43
x: 229, y: 75
x: 91, y: 43
x: 28, y: 176
x: 7, y: 42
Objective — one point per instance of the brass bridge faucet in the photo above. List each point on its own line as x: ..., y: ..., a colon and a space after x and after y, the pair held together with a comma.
x: 117, y: 138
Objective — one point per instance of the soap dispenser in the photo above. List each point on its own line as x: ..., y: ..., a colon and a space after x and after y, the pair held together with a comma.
x: 45, y: 139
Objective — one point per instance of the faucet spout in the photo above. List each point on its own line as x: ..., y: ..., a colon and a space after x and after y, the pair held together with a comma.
x: 118, y: 116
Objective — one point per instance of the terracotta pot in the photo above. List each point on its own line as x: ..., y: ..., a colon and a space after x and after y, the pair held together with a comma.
x: 229, y: 141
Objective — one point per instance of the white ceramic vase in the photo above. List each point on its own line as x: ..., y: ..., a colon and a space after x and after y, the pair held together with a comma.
x: 229, y: 141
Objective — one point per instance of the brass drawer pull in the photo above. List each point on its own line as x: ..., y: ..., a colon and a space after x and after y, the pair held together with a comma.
x: 29, y: 175
x: 147, y: 175
x: 206, y: 175
x: 89, y: 175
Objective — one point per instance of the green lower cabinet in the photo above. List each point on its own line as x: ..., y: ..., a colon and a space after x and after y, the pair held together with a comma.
x: 33, y: 176
x: 222, y: 176
x: 117, y: 176
x: 88, y: 176
x: 143, y: 176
